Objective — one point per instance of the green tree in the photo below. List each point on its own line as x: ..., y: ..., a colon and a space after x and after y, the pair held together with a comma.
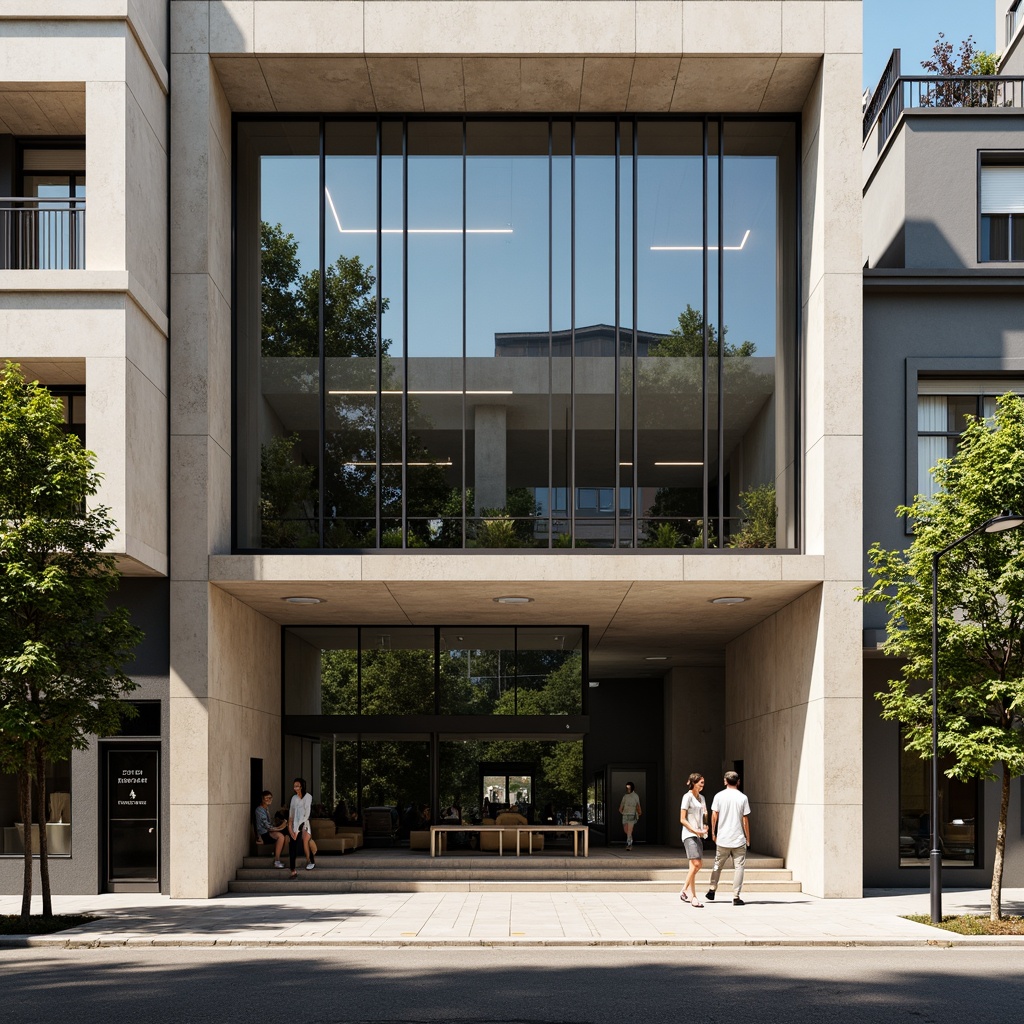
x: 687, y: 339
x: 759, y: 514
x: 62, y: 648
x: 981, y: 614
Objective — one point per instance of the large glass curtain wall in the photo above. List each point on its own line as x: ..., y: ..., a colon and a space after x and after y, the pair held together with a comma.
x: 554, y: 333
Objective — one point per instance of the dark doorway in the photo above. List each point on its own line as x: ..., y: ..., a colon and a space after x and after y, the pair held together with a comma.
x: 645, y: 783
x: 132, y: 817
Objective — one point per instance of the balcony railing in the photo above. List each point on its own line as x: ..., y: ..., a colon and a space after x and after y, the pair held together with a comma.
x: 896, y: 93
x: 42, y: 234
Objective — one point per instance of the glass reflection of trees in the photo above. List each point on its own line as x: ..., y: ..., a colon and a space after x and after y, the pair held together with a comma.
x: 401, y: 682
x: 289, y: 300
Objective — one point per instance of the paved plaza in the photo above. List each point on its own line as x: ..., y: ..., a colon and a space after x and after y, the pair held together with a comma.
x: 522, y: 918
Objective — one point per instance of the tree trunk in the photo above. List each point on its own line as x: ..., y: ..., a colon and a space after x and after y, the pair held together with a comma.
x: 25, y: 792
x: 44, y: 864
x: 996, y: 898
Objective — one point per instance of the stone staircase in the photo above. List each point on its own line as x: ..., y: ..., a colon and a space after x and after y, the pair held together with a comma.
x: 645, y: 869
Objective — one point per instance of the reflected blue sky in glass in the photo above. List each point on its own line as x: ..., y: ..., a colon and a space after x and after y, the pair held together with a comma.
x: 512, y: 194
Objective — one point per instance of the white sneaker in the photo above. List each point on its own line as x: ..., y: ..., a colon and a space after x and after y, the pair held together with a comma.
x: 309, y: 867
x: 278, y: 864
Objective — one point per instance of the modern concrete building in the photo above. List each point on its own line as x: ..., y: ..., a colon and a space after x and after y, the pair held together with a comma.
x: 943, y: 337
x: 413, y: 501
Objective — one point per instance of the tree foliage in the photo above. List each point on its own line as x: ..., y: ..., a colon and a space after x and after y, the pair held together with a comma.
x: 980, y: 608
x: 62, y: 648
x: 759, y: 515
x: 967, y: 60
x: 687, y: 339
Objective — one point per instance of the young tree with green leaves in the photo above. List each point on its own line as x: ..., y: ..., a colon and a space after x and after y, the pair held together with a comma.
x: 62, y: 647
x: 981, y: 614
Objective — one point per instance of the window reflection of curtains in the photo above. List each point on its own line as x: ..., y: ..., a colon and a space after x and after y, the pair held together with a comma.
x: 931, y: 418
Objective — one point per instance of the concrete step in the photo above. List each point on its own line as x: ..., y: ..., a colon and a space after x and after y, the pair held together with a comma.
x: 482, y: 874
x: 311, y: 884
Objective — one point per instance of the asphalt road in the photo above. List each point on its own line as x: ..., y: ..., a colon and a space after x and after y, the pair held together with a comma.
x: 512, y: 986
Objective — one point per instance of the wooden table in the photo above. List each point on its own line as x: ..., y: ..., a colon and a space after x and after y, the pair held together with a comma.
x: 574, y: 829
x: 434, y: 829
x: 519, y: 829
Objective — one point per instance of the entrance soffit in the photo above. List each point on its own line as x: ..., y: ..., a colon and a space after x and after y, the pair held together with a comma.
x: 269, y: 83
x: 631, y: 619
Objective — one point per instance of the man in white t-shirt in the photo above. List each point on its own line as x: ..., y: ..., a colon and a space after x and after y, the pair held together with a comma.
x: 730, y: 829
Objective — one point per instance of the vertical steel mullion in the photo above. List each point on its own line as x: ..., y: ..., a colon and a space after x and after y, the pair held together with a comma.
x: 721, y: 332
x: 635, y: 498
x: 405, y: 325
x: 378, y: 400
x: 618, y: 317
x: 463, y: 396
x: 321, y: 315
x: 570, y: 499
x: 551, y: 315
x: 704, y: 317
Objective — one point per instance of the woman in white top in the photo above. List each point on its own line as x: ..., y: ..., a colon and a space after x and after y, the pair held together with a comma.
x: 629, y: 808
x: 692, y: 815
x: 298, y: 826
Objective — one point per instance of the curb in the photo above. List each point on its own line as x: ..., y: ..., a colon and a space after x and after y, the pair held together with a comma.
x: 165, y: 941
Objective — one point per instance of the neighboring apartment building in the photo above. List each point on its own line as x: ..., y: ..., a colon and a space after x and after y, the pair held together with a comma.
x: 414, y: 501
x: 943, y: 337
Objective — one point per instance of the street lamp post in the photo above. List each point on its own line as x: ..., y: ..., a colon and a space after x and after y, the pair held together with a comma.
x: 998, y: 524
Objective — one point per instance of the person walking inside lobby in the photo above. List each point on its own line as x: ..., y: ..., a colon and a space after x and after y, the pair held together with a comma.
x: 692, y: 815
x: 629, y: 808
x: 730, y: 830
x: 298, y: 827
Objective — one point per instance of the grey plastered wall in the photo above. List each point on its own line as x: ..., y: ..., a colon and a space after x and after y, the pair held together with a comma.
x: 82, y: 872
x: 932, y: 163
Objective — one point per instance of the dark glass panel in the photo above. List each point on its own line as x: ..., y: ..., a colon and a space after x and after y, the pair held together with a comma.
x: 626, y: 325
x: 396, y: 777
x: 958, y: 815
x: 350, y: 334
x: 478, y: 671
x: 320, y: 671
x: 995, y: 236
x: 670, y: 341
x: 339, y: 779
x: 435, y: 315
x: 397, y: 676
x: 1017, y: 237
x: 561, y: 312
x: 277, y: 345
x: 594, y: 289
x: 507, y: 368
x: 759, y: 331
x: 549, y: 671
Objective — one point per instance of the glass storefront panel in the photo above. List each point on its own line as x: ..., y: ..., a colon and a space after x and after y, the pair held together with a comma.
x: 670, y: 315
x: 958, y: 815
x: 449, y: 244
x: 396, y: 671
x: 478, y: 671
x: 56, y: 816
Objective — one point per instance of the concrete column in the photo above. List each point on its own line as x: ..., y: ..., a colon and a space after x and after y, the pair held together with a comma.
x: 694, y: 736
x: 490, y: 469
x: 106, y: 162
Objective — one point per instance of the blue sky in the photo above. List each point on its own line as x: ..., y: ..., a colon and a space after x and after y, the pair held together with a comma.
x: 913, y: 25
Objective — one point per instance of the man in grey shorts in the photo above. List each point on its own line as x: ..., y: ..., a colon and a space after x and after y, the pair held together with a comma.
x: 730, y: 829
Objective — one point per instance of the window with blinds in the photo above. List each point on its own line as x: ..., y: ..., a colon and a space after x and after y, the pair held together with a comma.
x: 942, y: 406
x: 1002, y: 213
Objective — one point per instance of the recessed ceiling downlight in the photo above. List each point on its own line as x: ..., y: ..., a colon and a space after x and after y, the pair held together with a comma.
x: 512, y: 600
x: 729, y: 600
x: 656, y: 657
x: 303, y: 600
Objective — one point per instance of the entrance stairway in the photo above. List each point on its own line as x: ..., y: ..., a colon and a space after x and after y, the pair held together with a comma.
x: 645, y: 869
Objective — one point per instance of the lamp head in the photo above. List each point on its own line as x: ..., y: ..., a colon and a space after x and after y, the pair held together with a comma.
x: 1006, y: 520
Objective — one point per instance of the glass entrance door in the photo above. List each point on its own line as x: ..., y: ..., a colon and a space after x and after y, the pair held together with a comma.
x: 133, y: 818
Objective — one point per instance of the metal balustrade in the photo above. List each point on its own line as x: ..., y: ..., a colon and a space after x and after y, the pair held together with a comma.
x: 42, y: 233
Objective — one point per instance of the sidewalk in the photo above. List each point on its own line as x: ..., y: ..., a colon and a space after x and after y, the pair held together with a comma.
x: 532, y: 919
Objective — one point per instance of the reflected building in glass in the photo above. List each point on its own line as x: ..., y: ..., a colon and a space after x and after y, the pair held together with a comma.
x: 484, y: 333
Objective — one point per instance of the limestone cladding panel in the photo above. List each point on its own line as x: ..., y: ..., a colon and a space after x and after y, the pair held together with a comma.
x: 106, y: 132
x: 793, y: 716
x: 244, y: 722
x: 145, y: 523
